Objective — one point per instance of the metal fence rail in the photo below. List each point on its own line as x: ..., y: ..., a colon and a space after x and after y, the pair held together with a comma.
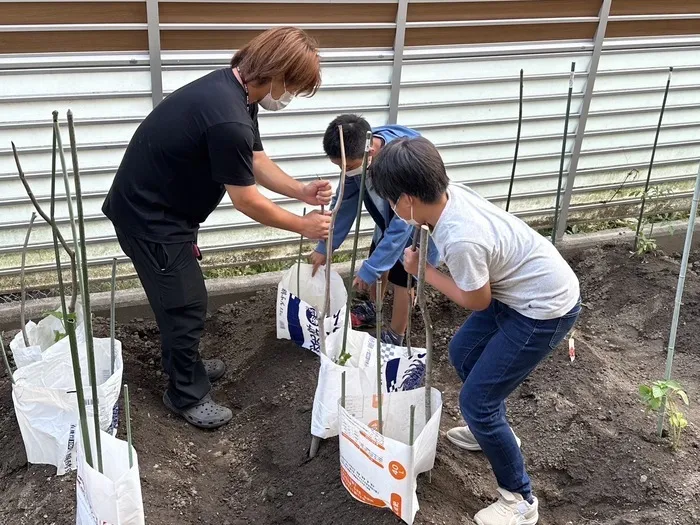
x: 448, y: 69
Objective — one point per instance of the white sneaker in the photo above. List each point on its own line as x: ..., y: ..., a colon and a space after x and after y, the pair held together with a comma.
x: 463, y: 438
x: 510, y: 509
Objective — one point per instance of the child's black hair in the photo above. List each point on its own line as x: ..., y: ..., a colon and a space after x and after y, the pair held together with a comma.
x: 355, y: 130
x: 409, y: 166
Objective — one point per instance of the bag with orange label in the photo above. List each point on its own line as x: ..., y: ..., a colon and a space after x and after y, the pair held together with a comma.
x: 381, y: 469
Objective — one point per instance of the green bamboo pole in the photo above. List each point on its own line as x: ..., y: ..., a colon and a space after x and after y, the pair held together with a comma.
x: 113, y: 316
x: 69, y: 204
x: 380, y: 307
x: 127, y: 410
x: 342, y: 390
x: 22, y: 288
x: 7, y: 363
x: 68, y: 321
x: 89, y: 343
x: 49, y: 221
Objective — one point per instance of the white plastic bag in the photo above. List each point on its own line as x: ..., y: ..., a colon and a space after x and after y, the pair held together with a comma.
x: 297, y: 310
x: 399, y: 372
x: 41, y: 336
x: 381, y: 469
x: 46, y: 403
x: 113, y: 497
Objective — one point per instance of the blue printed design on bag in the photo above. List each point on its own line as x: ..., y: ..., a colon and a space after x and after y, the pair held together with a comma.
x: 412, y: 377
x: 296, y: 330
x: 112, y: 430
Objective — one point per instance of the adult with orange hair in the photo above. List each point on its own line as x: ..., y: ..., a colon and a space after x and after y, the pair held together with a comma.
x: 199, y: 143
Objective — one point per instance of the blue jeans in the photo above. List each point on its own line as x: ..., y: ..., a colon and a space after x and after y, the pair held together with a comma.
x: 493, y: 352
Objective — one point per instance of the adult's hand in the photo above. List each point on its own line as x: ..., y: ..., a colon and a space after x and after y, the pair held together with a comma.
x: 317, y: 193
x: 315, y: 225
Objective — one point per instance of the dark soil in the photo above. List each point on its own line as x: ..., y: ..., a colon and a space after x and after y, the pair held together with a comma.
x: 590, y: 449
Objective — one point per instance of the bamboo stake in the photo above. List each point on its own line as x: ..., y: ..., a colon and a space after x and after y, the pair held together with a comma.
x: 69, y: 204
x: 49, y: 221
x: 113, y: 316
x: 127, y: 409
x: 412, y: 297
x: 679, y: 290
x: 412, y: 424
x: 315, y: 440
x: 342, y: 390
x: 329, y: 247
x: 22, y: 287
x: 77, y: 375
x: 323, y: 208
x: 68, y: 321
x: 87, y: 315
x: 379, y: 357
x: 7, y: 363
x: 422, y: 300
x: 517, y: 141
x: 563, y: 152
x: 651, y: 161
x: 355, y: 241
x: 301, y: 248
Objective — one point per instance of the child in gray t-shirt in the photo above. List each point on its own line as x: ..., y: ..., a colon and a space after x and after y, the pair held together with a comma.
x: 524, y: 297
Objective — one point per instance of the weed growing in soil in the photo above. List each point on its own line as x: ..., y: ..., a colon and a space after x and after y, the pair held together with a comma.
x: 664, y: 395
x: 645, y: 245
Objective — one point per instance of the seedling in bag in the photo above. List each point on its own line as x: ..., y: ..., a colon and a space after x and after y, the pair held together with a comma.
x: 664, y: 396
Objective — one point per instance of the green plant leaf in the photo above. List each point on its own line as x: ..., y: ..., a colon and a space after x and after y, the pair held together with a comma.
x: 672, y: 384
x: 683, y: 396
x: 657, y: 391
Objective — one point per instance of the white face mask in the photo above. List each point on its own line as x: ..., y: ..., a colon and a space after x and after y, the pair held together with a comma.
x: 411, y: 221
x: 354, y: 173
x: 271, y: 104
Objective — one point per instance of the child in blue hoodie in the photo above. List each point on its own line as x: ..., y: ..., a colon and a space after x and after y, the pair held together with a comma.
x: 392, y: 234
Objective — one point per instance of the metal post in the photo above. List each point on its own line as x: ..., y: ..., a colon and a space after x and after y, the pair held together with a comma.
x: 679, y: 289
x: 399, y: 40
x: 583, y: 117
x: 517, y: 142
x: 563, y: 152
x: 651, y: 162
x: 154, y: 58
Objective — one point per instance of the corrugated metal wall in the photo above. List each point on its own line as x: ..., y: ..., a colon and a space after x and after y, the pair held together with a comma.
x: 456, y: 80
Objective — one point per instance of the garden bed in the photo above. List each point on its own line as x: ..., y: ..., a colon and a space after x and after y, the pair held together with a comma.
x: 590, y: 449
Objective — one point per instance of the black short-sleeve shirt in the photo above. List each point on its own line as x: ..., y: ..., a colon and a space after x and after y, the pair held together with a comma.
x: 172, y: 175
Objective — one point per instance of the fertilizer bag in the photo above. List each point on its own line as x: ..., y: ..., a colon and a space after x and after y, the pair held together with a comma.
x: 399, y: 373
x: 297, y: 310
x: 46, y: 402
x: 113, y: 497
x: 381, y: 469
